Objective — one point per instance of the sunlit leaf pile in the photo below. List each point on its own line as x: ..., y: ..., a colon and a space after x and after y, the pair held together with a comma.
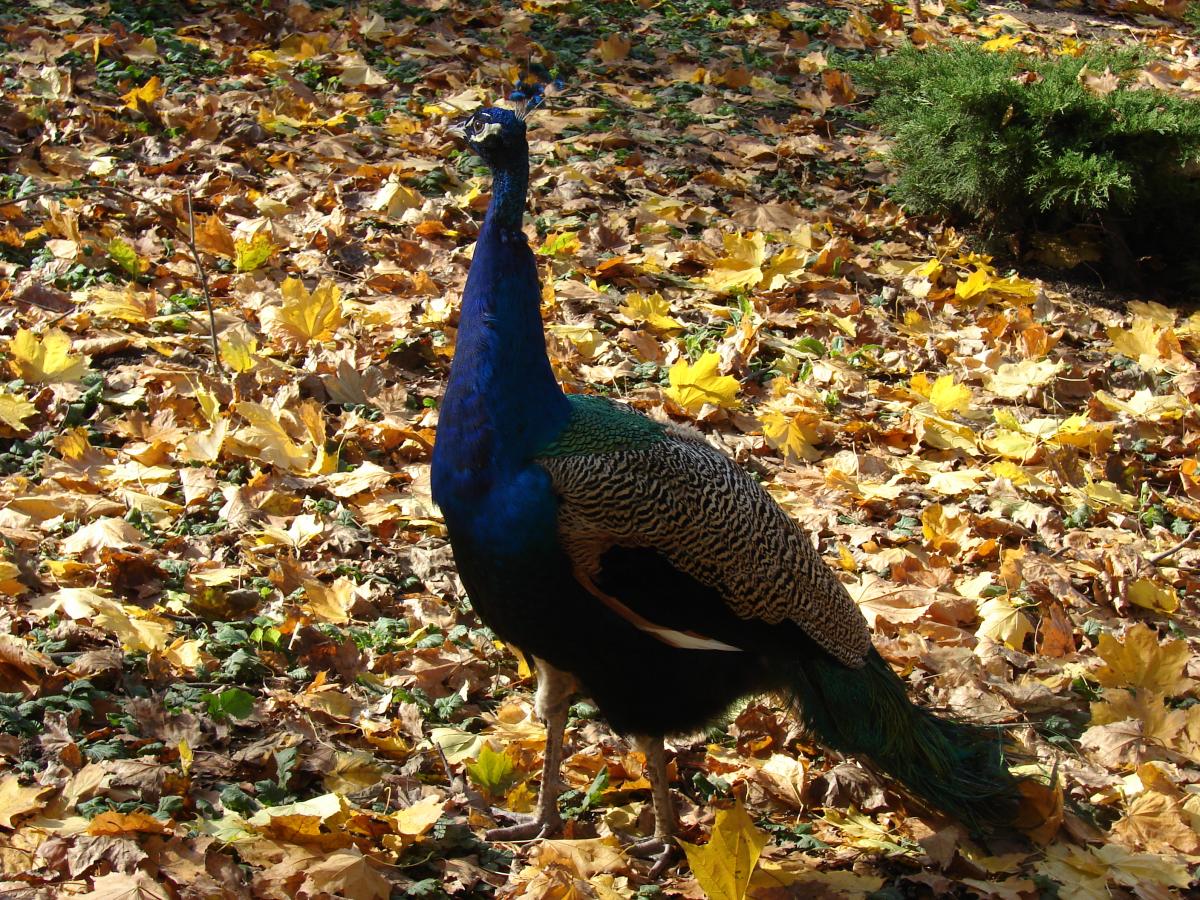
x: 235, y: 658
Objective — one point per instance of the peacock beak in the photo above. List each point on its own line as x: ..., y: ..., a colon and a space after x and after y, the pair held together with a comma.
x: 458, y: 130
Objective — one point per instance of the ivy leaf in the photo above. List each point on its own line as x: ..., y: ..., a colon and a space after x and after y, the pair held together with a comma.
x: 231, y: 703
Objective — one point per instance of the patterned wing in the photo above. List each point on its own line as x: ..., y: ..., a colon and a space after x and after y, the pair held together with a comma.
x: 695, y: 506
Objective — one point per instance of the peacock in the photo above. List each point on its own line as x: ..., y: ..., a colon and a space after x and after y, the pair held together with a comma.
x: 638, y: 565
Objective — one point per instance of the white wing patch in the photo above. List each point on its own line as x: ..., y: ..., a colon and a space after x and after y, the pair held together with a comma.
x: 682, y: 640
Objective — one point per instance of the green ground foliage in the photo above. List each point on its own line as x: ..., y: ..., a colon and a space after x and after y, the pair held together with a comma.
x: 1019, y: 142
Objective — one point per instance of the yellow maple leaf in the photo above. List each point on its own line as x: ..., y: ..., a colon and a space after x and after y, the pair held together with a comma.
x: 560, y: 244
x: 783, y: 268
x: 1148, y: 594
x: 46, y: 360
x: 267, y: 437
x: 692, y: 386
x: 741, y: 266
x: 863, y: 832
x: 1016, y: 380
x: 654, y: 310
x: 238, y: 352
x: 1003, y: 42
x: 1104, y: 493
x: 128, y: 305
x: 395, y: 198
x: 249, y: 255
x: 413, y: 821
x: 305, y: 317
x: 1003, y: 622
x: 146, y: 95
x: 1080, y: 431
x: 137, y: 629
x: 185, y: 755
x: 945, y: 395
x: 983, y: 280
x: 944, y: 530
x: 330, y: 602
x: 794, y: 436
x: 724, y: 865
x: 1138, y: 660
x: 14, y: 408
x: 1151, y: 345
x: 17, y: 800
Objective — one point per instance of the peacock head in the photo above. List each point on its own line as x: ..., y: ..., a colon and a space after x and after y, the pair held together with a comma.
x: 496, y: 134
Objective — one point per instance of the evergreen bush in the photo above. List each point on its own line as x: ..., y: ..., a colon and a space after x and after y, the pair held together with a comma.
x: 1020, y: 142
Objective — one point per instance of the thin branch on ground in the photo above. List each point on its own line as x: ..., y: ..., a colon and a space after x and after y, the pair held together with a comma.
x: 212, y: 319
x: 1157, y: 558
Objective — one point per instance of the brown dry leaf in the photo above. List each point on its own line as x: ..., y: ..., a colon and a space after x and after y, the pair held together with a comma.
x: 613, y: 48
x: 345, y: 873
x: 113, y: 822
x: 90, y: 541
x: 1156, y: 822
x: 119, y: 886
x: 1119, y: 745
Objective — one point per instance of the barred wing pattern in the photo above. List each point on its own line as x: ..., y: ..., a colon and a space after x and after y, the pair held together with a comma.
x: 697, y: 508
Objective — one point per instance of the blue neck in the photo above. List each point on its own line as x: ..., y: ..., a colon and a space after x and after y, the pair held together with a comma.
x: 509, y: 187
x: 502, y: 403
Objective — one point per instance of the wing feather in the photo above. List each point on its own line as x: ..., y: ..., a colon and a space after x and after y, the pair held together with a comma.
x: 696, y: 507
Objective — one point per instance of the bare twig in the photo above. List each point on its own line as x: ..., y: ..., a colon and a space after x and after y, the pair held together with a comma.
x: 187, y: 235
x: 212, y: 319
x: 163, y: 211
x: 1172, y: 550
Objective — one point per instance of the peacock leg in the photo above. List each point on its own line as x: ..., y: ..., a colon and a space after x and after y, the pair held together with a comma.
x: 554, y: 691
x: 662, y: 846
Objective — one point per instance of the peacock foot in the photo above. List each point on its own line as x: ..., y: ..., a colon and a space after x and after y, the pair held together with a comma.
x: 663, y: 850
x: 527, y: 828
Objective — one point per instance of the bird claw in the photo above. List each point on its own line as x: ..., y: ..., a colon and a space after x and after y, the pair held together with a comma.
x: 664, y: 851
x: 526, y: 829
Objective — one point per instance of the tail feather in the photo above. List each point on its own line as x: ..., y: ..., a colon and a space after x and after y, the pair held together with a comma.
x: 957, y: 767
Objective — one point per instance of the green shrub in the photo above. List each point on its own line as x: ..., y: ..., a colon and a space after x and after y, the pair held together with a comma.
x: 1018, y: 142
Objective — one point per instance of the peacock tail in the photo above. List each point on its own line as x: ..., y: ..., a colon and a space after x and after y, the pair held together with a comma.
x: 957, y: 767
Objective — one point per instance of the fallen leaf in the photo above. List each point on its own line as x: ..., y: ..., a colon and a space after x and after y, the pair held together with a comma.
x: 45, y: 360
x: 1138, y: 660
x: 693, y: 386
x: 724, y: 865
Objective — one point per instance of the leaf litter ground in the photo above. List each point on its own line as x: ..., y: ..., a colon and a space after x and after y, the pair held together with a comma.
x: 236, y: 658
